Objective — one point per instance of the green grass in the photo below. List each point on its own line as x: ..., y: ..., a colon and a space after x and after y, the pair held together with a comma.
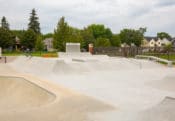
x: 37, y: 54
x: 164, y: 56
x: 171, y: 57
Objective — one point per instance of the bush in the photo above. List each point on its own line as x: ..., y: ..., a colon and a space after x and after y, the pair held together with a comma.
x: 102, y: 42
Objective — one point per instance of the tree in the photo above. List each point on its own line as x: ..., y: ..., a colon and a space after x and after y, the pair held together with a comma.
x: 163, y: 35
x: 142, y: 30
x: 33, y: 22
x: 169, y: 48
x: 102, y: 42
x: 130, y: 36
x: 74, y: 35
x: 115, y: 40
x: 99, y: 30
x: 108, y: 33
x: 88, y: 38
x: 4, y: 23
x: 6, y: 38
x: 48, y: 35
x: 29, y: 39
x: 39, y: 45
x: 61, y: 35
x: 18, y: 33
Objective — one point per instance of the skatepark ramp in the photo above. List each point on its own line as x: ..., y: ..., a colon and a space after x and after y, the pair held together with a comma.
x: 164, y: 111
x: 45, y: 66
x: 61, y: 67
x: 18, y: 93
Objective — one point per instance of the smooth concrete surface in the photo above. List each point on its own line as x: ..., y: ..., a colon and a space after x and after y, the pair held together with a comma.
x: 19, y: 93
x: 132, y: 87
x: 25, y: 97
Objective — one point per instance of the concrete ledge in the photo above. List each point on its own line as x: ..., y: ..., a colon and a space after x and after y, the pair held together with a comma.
x: 73, y: 54
x: 78, y: 60
x: 169, y: 63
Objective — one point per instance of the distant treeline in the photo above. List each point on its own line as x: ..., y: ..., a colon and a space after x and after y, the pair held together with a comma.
x: 97, y: 34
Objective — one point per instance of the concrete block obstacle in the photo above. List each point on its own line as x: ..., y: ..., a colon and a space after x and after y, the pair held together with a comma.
x: 73, y: 48
x: 74, y: 53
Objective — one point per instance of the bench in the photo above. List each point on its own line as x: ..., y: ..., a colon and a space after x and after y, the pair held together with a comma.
x: 169, y: 63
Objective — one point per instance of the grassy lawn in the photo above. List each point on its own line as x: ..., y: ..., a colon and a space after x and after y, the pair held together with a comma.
x: 38, y: 54
x: 164, y: 56
x: 171, y: 57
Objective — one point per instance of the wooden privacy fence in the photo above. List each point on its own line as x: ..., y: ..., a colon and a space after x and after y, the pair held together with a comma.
x: 132, y: 51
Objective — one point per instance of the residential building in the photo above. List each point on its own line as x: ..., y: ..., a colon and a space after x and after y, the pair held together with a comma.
x: 149, y: 42
x: 155, y: 42
x: 173, y: 42
x: 48, y: 44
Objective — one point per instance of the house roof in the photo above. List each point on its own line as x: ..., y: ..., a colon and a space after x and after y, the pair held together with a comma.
x: 48, y: 40
x: 173, y: 40
x: 148, y: 38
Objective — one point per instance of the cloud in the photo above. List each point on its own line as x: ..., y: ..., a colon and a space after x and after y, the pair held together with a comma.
x: 116, y: 14
x: 166, y: 3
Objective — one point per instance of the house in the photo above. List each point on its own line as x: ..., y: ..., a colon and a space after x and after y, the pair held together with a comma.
x: 155, y: 42
x: 173, y: 42
x: 149, y: 42
x: 166, y: 41
x: 124, y: 45
x: 17, y: 43
x: 159, y: 43
x: 48, y: 44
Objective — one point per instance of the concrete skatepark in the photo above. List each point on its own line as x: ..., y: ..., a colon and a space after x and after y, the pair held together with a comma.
x: 86, y: 87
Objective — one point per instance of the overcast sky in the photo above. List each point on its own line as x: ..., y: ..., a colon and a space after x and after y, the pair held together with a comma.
x: 156, y: 15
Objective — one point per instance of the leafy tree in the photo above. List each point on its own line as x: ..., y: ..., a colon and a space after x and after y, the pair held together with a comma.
x: 99, y: 30
x: 102, y: 42
x: 39, y: 45
x: 18, y: 33
x: 88, y: 38
x: 115, y: 40
x: 108, y: 33
x: 168, y: 48
x: 130, y: 36
x: 61, y: 35
x: 163, y: 35
x: 6, y: 38
x: 74, y: 36
x: 48, y: 35
x: 33, y: 22
x: 4, y: 23
x: 29, y: 39
x: 142, y: 30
